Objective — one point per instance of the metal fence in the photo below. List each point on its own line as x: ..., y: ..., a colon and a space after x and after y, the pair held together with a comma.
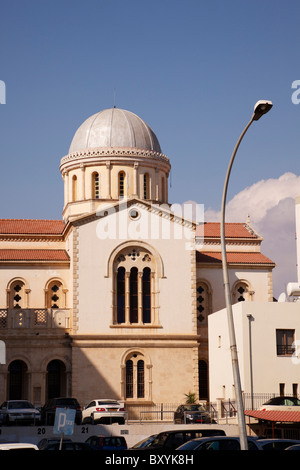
x: 222, y: 412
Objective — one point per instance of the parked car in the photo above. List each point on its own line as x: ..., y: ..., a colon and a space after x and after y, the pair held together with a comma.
x: 276, y: 444
x: 49, y: 409
x: 107, y: 442
x: 104, y: 411
x: 282, y: 404
x: 144, y: 442
x: 17, y: 446
x: 68, y: 446
x: 170, y: 440
x: 193, y: 413
x: 45, y: 442
x: 293, y: 447
x: 19, y: 412
x: 217, y: 443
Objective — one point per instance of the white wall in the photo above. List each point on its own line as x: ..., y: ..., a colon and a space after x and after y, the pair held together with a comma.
x: 268, y: 369
x: 175, y: 287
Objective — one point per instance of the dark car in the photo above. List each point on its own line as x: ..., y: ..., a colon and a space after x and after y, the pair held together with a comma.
x: 276, y: 444
x: 193, y: 413
x: 68, y: 446
x: 144, y: 442
x: 170, y: 440
x: 49, y: 409
x: 45, y: 442
x: 107, y: 442
x: 217, y: 443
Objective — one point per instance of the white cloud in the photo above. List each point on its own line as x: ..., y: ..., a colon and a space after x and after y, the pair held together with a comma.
x: 271, y: 207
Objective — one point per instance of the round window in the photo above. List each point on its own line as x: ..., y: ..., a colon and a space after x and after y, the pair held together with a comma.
x: 134, y: 214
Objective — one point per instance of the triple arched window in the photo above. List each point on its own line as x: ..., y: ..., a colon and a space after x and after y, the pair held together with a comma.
x: 133, y: 295
x: 134, y: 287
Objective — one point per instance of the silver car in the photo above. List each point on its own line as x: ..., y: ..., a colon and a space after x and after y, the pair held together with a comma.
x: 19, y: 412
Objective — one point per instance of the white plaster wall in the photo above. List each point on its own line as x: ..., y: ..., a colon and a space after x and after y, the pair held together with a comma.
x: 269, y: 370
x: 98, y: 239
x: 258, y: 280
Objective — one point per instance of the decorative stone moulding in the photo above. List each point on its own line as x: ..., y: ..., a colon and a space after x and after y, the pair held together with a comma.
x: 93, y: 154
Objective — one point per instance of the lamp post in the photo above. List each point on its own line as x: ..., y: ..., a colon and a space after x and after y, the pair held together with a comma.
x: 260, y: 108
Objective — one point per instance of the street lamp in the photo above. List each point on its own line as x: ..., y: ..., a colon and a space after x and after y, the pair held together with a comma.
x: 260, y: 108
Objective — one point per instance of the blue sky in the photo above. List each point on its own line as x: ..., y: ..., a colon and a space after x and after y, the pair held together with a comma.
x: 192, y: 69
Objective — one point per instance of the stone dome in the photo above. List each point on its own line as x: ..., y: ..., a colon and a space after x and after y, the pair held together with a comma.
x: 114, y: 128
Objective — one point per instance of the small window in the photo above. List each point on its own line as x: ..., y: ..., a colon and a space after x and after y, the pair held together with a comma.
x: 95, y: 186
x: 146, y: 186
x: 285, y: 342
x: 121, y: 184
x: 74, y: 188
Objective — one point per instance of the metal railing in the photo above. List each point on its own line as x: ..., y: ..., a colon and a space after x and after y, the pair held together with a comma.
x: 35, y: 318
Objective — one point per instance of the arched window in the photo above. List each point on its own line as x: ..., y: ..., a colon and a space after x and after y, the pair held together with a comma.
x: 203, y: 303
x: 56, y: 379
x: 55, y: 295
x: 121, y: 295
x: 74, y: 188
x: 17, y: 380
x: 129, y: 379
x: 121, y: 184
x: 95, y: 185
x: 203, y: 380
x: 140, y: 379
x: 241, y: 292
x: 17, y: 295
x: 133, y: 295
x: 146, y: 289
x: 134, y: 291
x: 146, y: 186
x: 135, y: 376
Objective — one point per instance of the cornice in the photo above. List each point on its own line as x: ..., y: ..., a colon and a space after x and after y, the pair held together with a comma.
x: 100, y: 155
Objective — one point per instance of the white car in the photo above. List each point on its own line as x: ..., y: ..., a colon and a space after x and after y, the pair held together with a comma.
x: 281, y: 404
x: 104, y: 411
x: 18, y: 446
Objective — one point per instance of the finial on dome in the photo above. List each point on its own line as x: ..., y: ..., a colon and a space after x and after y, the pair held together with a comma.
x: 248, y: 219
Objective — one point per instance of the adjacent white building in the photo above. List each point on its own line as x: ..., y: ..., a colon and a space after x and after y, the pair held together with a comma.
x: 267, y: 340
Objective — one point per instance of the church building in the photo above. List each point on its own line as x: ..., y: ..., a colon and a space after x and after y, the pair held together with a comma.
x: 112, y: 299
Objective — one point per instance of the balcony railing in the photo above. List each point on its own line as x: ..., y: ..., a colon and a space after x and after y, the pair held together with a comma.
x: 35, y: 318
x: 285, y: 349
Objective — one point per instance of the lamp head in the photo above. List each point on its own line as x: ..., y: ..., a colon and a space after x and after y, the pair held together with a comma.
x: 260, y: 108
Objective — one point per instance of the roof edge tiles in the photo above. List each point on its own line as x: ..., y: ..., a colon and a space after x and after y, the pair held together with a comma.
x: 279, y: 416
x: 232, y: 230
x: 31, y: 227
x: 215, y: 257
x: 33, y: 255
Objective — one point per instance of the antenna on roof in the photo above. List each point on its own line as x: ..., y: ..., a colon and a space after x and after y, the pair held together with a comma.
x: 115, y: 98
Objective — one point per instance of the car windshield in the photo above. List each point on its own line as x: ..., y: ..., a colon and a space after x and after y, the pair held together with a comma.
x: 283, y: 401
x: 17, y: 405
x: 108, y: 402
x: 193, y: 408
x: 145, y: 442
x: 66, y: 401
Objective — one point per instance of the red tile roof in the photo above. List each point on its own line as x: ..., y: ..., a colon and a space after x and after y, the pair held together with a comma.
x: 33, y: 255
x: 233, y: 257
x: 31, y: 227
x: 273, y: 415
x: 232, y: 230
